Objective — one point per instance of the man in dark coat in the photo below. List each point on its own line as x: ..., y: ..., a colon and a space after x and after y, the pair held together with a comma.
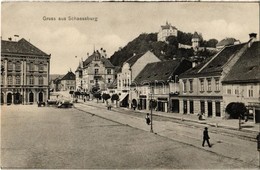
x: 206, y: 137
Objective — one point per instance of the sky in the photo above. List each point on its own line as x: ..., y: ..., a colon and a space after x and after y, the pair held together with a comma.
x: 111, y: 25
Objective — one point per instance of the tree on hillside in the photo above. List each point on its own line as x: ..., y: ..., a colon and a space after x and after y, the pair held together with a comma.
x: 236, y: 110
x: 212, y: 43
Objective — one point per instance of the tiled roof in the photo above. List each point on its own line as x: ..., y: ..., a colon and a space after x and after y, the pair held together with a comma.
x: 118, y: 69
x: 247, y: 68
x: 131, y: 61
x: 168, y: 26
x: 105, y: 61
x: 161, y: 71
x: 69, y: 76
x: 21, y: 47
x: 213, y: 66
x: 134, y: 58
x: 226, y: 42
x: 195, y: 35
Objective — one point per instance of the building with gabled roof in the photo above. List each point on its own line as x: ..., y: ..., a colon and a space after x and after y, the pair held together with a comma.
x: 166, y: 31
x: 201, y: 90
x: 242, y: 83
x: 130, y: 69
x: 24, y: 73
x: 160, y: 79
x: 68, y: 81
x: 95, y: 71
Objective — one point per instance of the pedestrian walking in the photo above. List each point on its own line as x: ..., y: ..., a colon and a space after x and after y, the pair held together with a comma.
x: 147, y: 118
x: 206, y: 137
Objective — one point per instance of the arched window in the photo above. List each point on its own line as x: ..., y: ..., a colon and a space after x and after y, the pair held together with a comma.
x: 41, y: 67
x: 10, y: 65
x: 40, y: 80
x: 10, y: 80
x: 31, y: 80
x: 18, y: 66
x: 17, y: 80
x: 31, y: 66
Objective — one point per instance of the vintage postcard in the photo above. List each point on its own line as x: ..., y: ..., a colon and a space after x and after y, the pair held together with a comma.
x: 130, y: 85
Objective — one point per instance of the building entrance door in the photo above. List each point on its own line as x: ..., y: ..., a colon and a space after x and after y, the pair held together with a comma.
x: 40, y: 97
x: 9, y: 98
x: 17, y: 98
x: 31, y: 96
x: 2, y: 98
x: 175, y: 106
x: 209, y: 109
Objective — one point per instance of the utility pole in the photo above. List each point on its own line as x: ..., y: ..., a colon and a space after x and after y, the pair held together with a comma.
x: 151, y: 107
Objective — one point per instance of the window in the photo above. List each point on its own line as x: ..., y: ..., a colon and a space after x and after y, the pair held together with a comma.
x: 96, y: 80
x: 184, y: 86
x: 40, y: 80
x: 31, y: 80
x: 10, y: 65
x: 228, y: 91
x: 209, y: 84
x: 17, y: 80
x: 41, y: 67
x: 18, y: 66
x: 237, y: 92
x: 119, y: 83
x: 250, y: 92
x: 9, y: 80
x: 108, y: 71
x: 191, y: 85
x: 96, y: 71
x: 217, y: 84
x: 109, y: 80
x: 31, y: 67
x: 202, y: 85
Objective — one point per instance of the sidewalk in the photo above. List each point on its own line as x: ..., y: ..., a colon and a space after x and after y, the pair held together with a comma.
x: 215, y: 122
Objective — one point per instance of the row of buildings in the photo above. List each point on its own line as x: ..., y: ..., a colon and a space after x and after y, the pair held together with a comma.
x: 178, y: 86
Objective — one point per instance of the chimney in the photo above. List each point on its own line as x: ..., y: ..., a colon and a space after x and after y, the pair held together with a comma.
x: 252, y: 38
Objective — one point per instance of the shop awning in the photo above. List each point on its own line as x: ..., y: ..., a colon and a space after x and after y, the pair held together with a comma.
x: 122, y: 96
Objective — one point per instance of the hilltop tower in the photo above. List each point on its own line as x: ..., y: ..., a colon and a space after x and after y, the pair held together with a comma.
x: 195, y: 41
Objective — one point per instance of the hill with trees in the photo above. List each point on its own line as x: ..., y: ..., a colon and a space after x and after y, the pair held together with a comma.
x: 165, y: 50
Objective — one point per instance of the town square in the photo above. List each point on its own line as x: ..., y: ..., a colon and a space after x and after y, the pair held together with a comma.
x: 138, y: 85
